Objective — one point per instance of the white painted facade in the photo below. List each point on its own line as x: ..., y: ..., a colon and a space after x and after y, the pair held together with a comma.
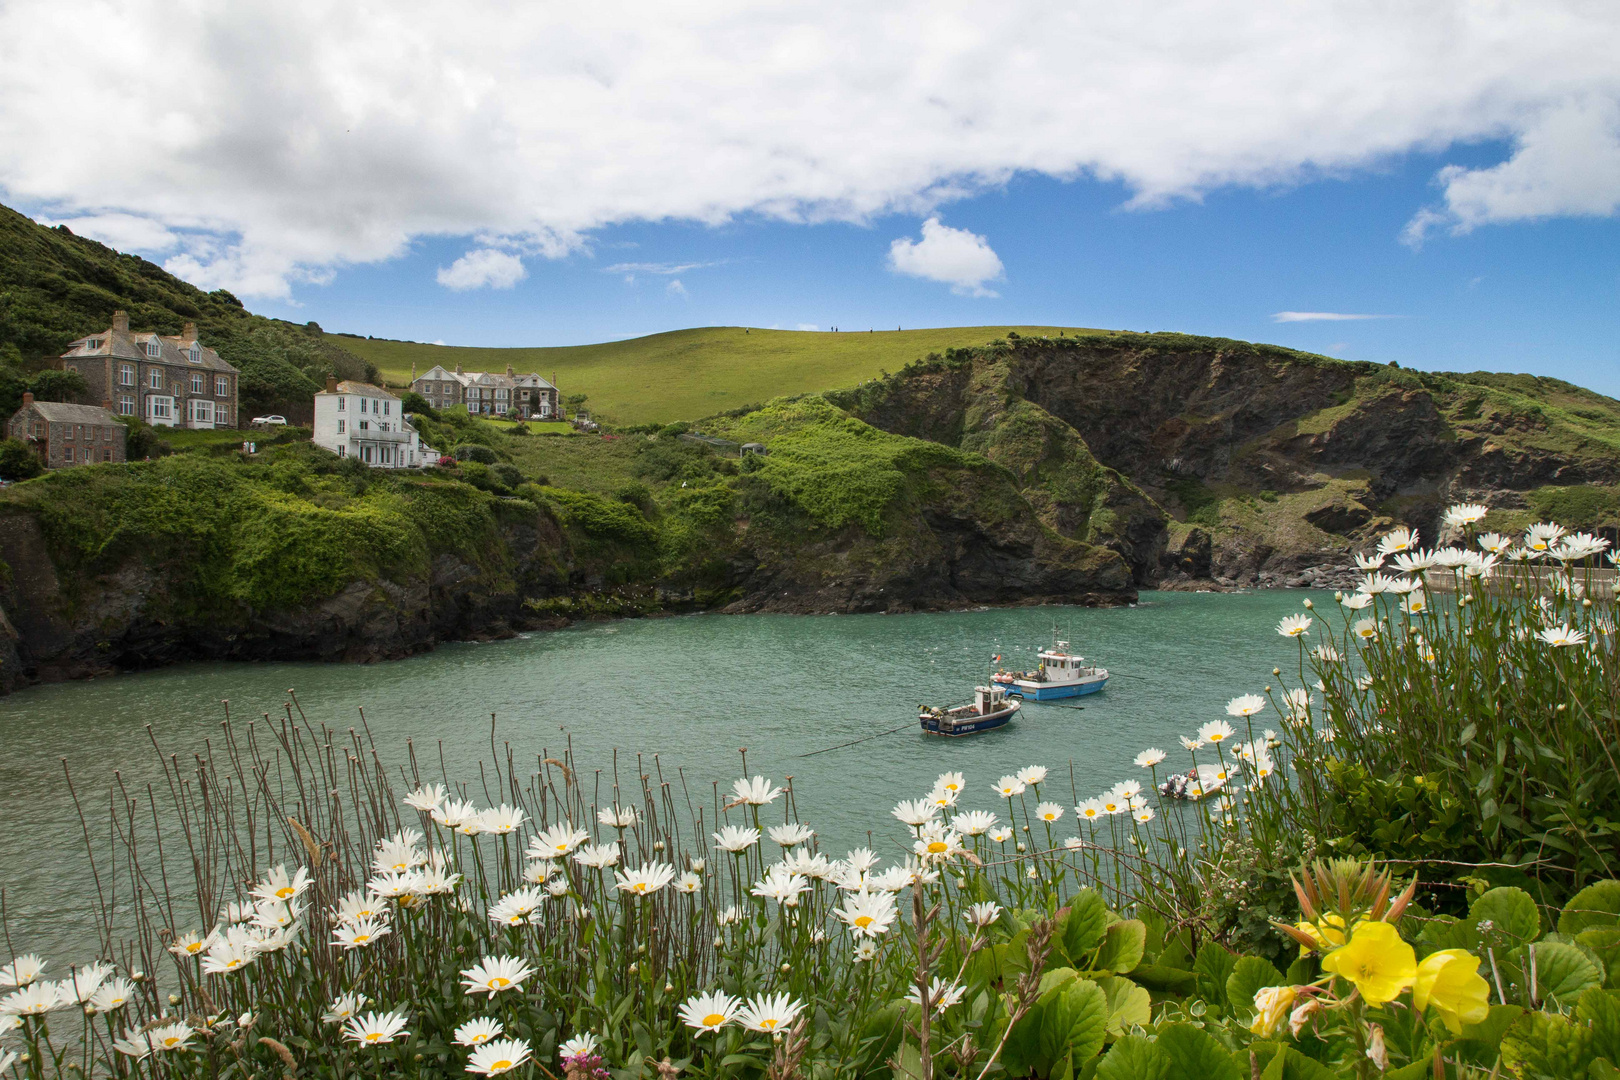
x: 358, y: 420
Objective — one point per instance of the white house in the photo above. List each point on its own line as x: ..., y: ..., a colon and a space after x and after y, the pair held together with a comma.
x: 356, y: 419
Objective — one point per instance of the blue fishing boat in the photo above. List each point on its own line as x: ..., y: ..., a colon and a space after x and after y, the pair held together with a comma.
x: 1061, y: 674
x: 990, y: 708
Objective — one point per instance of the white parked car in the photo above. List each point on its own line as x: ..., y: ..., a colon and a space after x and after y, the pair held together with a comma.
x: 272, y: 419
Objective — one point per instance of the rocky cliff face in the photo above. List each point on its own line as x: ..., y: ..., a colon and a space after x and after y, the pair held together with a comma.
x: 1206, y: 462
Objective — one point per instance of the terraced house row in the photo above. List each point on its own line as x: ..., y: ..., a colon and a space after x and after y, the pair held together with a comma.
x: 487, y: 393
x: 168, y: 381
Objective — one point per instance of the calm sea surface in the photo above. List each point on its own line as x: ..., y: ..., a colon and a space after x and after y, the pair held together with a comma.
x: 692, y: 690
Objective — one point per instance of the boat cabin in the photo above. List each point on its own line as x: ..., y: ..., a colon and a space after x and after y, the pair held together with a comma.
x: 989, y: 699
x: 1060, y: 663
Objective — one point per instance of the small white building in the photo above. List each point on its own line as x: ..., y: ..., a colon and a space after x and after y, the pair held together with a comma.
x: 358, y: 420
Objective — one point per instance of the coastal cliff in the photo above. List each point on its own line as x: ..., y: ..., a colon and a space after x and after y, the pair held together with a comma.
x: 1206, y: 462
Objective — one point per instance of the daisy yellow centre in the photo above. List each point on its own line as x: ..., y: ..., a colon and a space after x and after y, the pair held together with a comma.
x: 361, y: 939
x: 641, y: 886
x: 171, y: 1041
x: 285, y: 891
x: 499, y: 982
x: 936, y: 846
x: 1111, y: 807
x: 768, y: 1025
x: 373, y: 1036
x: 1217, y: 737
x: 194, y: 947
x: 232, y: 963
x: 501, y: 1066
x: 400, y: 867
x: 713, y: 1020
x: 863, y: 921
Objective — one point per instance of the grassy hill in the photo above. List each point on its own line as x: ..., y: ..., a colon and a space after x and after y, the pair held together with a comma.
x: 687, y: 374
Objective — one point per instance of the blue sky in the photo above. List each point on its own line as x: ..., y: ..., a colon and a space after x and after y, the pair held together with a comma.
x: 1540, y: 297
x: 473, y: 173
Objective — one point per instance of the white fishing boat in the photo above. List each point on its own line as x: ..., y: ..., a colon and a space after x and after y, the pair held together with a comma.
x: 1061, y: 674
x: 990, y: 708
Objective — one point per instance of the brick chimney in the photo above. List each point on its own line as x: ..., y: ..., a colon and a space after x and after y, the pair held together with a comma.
x: 331, y: 384
x: 188, y: 333
x: 458, y: 369
x: 511, y: 372
x: 28, y: 399
x: 106, y: 403
x: 121, y: 321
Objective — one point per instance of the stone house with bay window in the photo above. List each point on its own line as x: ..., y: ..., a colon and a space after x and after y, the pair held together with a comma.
x: 166, y: 381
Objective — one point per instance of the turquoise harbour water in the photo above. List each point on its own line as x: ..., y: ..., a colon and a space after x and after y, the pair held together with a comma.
x: 692, y: 690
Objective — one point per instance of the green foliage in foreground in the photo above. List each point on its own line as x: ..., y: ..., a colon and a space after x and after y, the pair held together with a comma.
x: 298, y: 527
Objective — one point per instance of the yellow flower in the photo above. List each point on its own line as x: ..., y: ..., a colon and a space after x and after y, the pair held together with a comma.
x: 1327, y: 932
x: 1271, y: 1005
x: 1376, y: 960
x: 1450, y: 981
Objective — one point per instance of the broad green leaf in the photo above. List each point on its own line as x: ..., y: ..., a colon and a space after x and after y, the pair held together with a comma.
x: 1249, y: 974
x: 1069, y: 1018
x: 1084, y: 925
x: 1122, y: 947
x: 1134, y: 1058
x: 1417, y: 1070
x: 1602, y: 1070
x: 1545, y: 1046
x: 1159, y: 977
x: 1290, y: 1064
x: 880, y: 1038
x: 1127, y: 1004
x: 1562, y: 972
x: 1601, y: 1009
x: 1481, y: 1043
x: 1595, y: 905
x: 1604, y: 941
x: 1214, y: 965
x: 1445, y: 932
x: 1013, y: 958
x: 1508, y: 911
x: 1194, y: 1052
x: 907, y: 1064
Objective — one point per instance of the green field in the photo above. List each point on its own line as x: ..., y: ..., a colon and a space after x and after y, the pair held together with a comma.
x: 688, y: 374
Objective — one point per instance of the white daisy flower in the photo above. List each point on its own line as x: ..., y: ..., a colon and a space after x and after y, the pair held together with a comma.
x: 941, y: 994
x: 615, y: 818
x: 755, y: 791
x: 1294, y: 626
x: 358, y: 935
x: 343, y: 1007
x: 769, y: 1013
x: 499, y: 1056
x: 580, y: 1044
x: 598, y: 856
x: 983, y: 914
x: 1009, y: 787
x: 427, y: 798
x: 1049, y: 811
x: 478, y: 1031
x: 556, y: 841
x: 493, y: 974
x: 375, y: 1028
x: 735, y: 838
x: 644, y: 880
x: 868, y: 914
x: 791, y: 834
x: 501, y: 820
x: 709, y: 1012
x: 279, y: 885
x: 915, y: 812
x: 1032, y: 774
x: 1147, y: 759
x: 974, y: 822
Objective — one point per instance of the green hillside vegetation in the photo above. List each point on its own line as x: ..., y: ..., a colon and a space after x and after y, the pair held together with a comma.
x: 687, y: 374
x: 56, y: 287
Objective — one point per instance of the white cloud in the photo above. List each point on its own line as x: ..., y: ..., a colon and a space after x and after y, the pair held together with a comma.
x: 1322, y: 316
x: 655, y: 268
x: 482, y: 268
x: 804, y: 326
x: 675, y: 288
x: 298, y: 137
x: 1565, y: 162
x: 961, y: 259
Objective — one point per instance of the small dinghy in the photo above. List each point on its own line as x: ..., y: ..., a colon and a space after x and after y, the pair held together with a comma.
x: 990, y: 708
x: 1061, y: 674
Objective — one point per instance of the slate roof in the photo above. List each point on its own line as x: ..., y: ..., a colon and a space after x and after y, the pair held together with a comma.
x: 60, y: 412
x: 363, y: 389
x: 131, y: 345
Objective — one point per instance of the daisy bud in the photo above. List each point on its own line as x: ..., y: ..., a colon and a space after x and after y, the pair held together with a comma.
x: 174, y: 999
x: 245, y: 1020
x: 1021, y: 846
x: 669, y: 988
x: 1338, y: 596
x: 658, y: 845
x: 786, y: 968
x: 718, y: 942
x: 139, y: 976
x: 632, y: 969
x: 1276, y: 671
x: 1308, y: 605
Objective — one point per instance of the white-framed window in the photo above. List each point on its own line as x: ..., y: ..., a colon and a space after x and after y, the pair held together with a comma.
x: 194, y: 353
x: 200, y: 410
x: 343, y: 451
x: 154, y: 378
x: 160, y: 408
x: 341, y: 402
x: 153, y: 348
x: 126, y: 405
x: 342, y: 424
x: 365, y: 425
x: 386, y: 405
x: 222, y: 386
x: 126, y: 374
x: 93, y: 343
x: 196, y: 382
x: 365, y: 454
x: 222, y: 413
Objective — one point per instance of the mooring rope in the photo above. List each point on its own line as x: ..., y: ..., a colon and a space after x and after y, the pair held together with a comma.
x: 852, y: 742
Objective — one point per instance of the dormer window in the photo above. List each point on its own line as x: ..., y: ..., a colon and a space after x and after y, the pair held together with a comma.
x: 153, y: 348
x: 195, y: 353
x: 93, y: 343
